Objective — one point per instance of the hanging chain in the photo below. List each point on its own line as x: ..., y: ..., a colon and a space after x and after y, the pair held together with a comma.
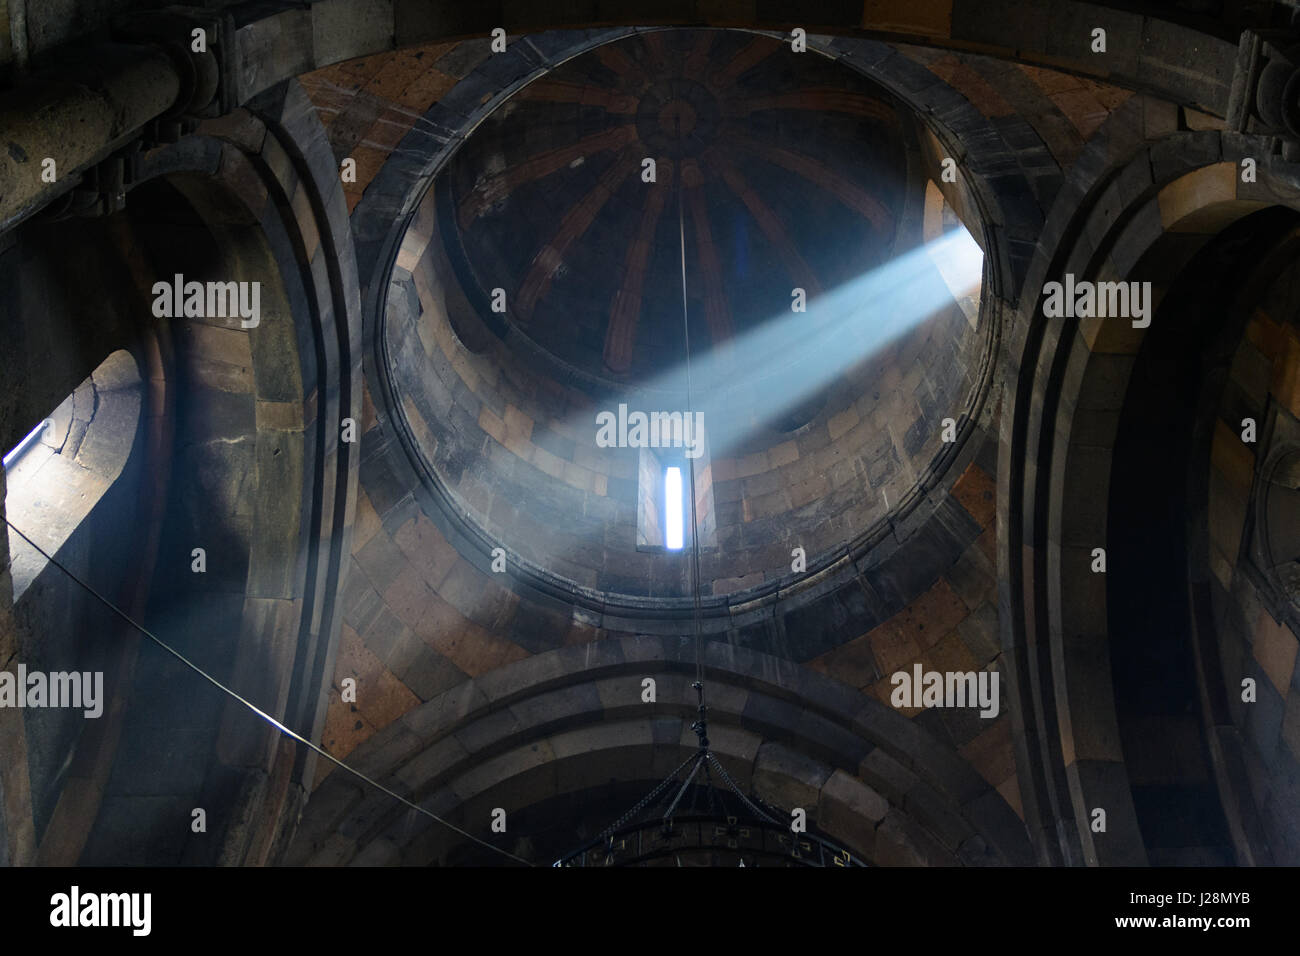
x: 726, y: 777
x: 646, y: 800
x: 668, y: 815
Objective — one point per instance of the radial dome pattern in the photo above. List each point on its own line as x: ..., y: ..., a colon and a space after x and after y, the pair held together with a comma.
x: 792, y: 173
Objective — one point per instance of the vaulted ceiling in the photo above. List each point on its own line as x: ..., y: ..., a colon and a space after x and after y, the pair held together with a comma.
x: 417, y: 555
x: 794, y: 176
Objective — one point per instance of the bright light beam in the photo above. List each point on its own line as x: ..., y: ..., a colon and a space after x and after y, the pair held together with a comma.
x: 960, y: 262
x: 792, y: 356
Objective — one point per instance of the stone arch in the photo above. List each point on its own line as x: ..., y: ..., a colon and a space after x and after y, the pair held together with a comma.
x: 572, y: 720
x: 1145, y: 217
x: 123, y: 419
x: 260, y: 480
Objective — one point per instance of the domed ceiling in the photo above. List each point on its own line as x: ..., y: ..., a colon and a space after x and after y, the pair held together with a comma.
x: 789, y: 172
x: 781, y: 171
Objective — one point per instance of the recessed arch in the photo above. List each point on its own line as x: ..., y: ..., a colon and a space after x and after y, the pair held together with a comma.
x: 568, y: 720
x: 1146, y: 219
x: 237, y: 562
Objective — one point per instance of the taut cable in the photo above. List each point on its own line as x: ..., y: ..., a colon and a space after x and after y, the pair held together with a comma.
x: 253, y: 707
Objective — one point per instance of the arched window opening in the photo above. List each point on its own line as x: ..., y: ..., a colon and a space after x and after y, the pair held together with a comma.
x: 664, y: 518
x: 62, y: 469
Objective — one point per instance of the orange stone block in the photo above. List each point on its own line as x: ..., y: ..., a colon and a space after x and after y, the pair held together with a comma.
x: 976, y: 491
x: 894, y: 650
x: 354, y: 660
x: 851, y: 663
x: 1275, y: 649
x: 517, y: 423
x: 383, y: 699
x: 931, y: 616
x: 491, y: 424
x: 345, y: 730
